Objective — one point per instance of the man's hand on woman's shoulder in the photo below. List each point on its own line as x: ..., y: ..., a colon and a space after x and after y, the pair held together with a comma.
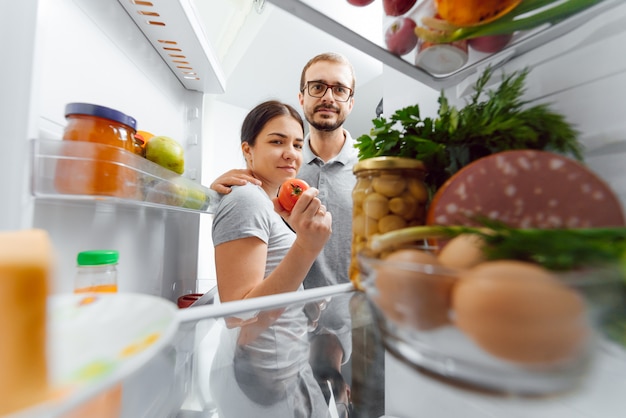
x: 234, y: 177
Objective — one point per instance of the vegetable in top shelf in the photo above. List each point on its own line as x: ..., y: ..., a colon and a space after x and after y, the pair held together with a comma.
x: 529, y: 14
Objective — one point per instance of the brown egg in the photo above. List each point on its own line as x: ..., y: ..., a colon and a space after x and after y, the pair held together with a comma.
x: 462, y: 252
x: 410, y: 295
x: 520, y: 312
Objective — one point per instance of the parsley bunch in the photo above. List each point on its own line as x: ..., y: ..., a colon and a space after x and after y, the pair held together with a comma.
x: 491, y: 121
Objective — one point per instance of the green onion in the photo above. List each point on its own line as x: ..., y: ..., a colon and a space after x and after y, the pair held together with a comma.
x: 555, y: 249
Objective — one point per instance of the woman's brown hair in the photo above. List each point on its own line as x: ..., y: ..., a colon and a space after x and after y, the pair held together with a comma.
x: 258, y: 117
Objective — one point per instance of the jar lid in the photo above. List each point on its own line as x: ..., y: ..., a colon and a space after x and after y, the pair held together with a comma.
x: 97, y: 257
x: 442, y: 58
x: 99, y: 111
x: 389, y: 163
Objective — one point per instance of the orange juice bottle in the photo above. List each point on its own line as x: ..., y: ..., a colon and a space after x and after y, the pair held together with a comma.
x: 96, y: 271
x: 104, y: 167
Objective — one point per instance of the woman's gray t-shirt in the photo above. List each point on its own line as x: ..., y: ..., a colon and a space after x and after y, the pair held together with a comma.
x: 246, y: 212
x: 273, y: 370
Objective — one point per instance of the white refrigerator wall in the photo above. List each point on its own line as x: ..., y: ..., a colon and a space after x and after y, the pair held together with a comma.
x: 581, y: 75
x: 91, y: 51
x: 221, y: 153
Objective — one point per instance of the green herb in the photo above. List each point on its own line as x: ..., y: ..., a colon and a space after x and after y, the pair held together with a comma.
x: 447, y: 143
x: 554, y: 249
x: 528, y: 15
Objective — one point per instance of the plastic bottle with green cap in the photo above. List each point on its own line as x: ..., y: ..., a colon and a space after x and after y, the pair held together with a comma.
x: 96, y: 271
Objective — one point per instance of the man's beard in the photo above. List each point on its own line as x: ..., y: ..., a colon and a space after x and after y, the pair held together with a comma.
x: 325, y: 125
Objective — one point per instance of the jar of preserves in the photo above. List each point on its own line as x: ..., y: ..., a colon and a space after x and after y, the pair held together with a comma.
x: 95, y: 123
x: 389, y: 194
x: 96, y: 271
x: 103, y: 167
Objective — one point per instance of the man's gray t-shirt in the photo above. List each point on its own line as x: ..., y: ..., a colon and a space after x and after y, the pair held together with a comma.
x: 335, y: 181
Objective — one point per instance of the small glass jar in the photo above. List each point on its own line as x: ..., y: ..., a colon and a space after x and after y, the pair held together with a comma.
x: 96, y: 271
x: 441, y: 58
x: 437, y: 58
x: 389, y: 194
x: 104, y: 168
x: 95, y: 123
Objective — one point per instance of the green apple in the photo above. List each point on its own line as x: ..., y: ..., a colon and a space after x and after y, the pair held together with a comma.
x: 172, y: 193
x: 196, y: 198
x: 167, y: 153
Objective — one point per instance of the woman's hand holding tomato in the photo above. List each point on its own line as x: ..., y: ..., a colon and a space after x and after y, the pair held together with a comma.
x: 290, y: 191
x: 308, y: 217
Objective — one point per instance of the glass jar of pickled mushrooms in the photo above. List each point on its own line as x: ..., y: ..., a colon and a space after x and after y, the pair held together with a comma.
x: 389, y: 194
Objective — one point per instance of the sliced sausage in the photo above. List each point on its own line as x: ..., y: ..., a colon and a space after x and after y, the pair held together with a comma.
x: 527, y: 189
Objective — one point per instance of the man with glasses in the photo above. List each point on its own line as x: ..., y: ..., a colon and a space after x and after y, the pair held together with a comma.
x: 327, y: 97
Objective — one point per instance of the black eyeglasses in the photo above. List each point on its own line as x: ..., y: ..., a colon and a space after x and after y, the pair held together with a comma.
x: 318, y: 89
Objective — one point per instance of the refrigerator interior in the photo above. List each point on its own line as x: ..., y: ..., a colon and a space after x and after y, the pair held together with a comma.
x: 92, y: 51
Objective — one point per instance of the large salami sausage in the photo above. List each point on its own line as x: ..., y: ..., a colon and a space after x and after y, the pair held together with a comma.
x: 526, y: 189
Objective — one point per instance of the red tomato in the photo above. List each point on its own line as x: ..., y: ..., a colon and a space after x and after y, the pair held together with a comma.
x: 290, y: 192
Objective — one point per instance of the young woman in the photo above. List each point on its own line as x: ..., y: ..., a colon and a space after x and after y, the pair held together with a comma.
x: 261, y: 368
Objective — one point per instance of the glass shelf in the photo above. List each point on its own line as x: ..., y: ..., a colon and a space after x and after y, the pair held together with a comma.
x: 324, y: 15
x: 86, y: 171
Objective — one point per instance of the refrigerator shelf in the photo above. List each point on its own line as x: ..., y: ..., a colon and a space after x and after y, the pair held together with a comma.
x: 175, y: 32
x: 86, y: 171
x: 320, y: 14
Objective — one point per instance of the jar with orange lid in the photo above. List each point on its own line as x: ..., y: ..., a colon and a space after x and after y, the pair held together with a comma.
x: 99, y: 153
x: 389, y: 194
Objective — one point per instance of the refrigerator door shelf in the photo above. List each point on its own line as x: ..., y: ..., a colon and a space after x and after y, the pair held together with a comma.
x: 96, y: 341
x: 86, y: 171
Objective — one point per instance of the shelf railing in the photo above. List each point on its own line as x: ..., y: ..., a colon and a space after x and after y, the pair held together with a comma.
x: 86, y: 171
